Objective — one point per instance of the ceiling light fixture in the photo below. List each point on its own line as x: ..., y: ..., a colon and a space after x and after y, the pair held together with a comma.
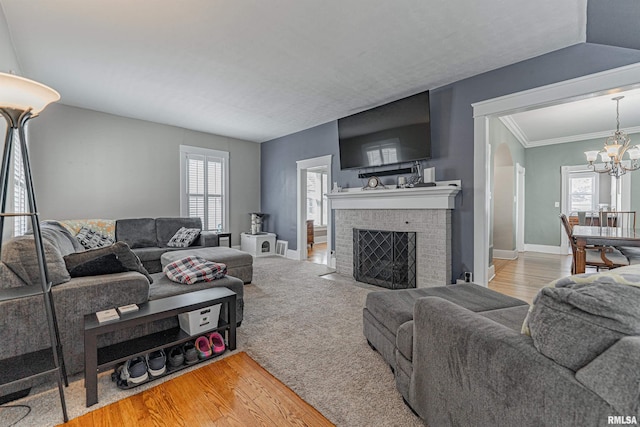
x: 614, y: 148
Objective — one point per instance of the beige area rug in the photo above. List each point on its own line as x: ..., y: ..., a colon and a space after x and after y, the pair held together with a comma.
x: 305, y: 330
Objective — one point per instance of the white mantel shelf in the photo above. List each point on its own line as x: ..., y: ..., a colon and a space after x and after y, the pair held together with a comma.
x: 442, y: 196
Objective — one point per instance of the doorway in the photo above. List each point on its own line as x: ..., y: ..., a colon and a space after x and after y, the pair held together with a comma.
x: 313, y: 178
x: 579, y: 88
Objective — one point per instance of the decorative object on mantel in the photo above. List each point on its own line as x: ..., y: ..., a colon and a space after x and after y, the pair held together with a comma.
x: 614, y: 148
x: 373, y: 183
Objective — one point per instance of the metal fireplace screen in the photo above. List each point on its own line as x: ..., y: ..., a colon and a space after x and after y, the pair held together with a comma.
x: 384, y: 258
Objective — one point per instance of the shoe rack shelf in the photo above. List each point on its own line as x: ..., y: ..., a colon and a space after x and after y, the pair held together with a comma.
x: 101, y: 359
x: 170, y: 370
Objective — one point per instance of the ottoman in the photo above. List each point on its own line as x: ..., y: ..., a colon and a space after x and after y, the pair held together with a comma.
x: 239, y: 264
x: 386, y: 311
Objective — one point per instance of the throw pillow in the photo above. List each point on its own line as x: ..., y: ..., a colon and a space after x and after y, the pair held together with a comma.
x: 582, y: 316
x: 184, y: 237
x: 92, y: 239
x: 194, y: 269
x: 116, y: 258
x: 624, y: 275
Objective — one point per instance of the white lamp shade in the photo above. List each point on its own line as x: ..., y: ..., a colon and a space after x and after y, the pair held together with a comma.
x: 634, y: 153
x: 24, y: 94
x: 612, y: 150
x: 592, y: 156
x: 604, y: 156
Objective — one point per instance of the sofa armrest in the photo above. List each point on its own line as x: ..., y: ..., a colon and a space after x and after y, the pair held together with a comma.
x: 615, y: 377
x: 208, y: 239
x: 23, y: 321
x: 470, y: 370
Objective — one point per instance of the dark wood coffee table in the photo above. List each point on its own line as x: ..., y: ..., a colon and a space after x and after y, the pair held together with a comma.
x: 100, y: 359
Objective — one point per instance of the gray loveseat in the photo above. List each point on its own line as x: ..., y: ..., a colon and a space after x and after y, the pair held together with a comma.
x: 22, y: 321
x: 460, y: 358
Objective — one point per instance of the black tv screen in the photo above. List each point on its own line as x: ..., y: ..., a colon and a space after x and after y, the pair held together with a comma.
x: 393, y: 133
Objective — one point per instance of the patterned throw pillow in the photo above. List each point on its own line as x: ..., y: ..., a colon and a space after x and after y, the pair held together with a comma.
x: 92, y: 239
x: 184, y: 237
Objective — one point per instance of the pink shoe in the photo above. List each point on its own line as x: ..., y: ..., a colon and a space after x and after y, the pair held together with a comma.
x: 217, y: 343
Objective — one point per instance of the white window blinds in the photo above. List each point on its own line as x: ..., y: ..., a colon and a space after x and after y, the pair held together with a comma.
x: 205, y: 174
x: 19, y: 190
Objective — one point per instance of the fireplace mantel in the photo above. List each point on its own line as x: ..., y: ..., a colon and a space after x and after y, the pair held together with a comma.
x: 442, y: 196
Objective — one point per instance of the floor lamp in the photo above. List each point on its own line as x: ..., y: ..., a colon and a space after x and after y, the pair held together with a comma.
x: 21, y: 100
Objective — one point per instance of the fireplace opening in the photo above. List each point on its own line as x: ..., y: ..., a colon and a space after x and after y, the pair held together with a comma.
x: 385, y: 258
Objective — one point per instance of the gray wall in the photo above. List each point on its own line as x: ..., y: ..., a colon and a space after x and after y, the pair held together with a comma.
x: 543, y: 187
x: 451, y: 132
x: 88, y: 164
x: 614, y: 23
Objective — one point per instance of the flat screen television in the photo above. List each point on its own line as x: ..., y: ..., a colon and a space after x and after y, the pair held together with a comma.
x: 392, y: 133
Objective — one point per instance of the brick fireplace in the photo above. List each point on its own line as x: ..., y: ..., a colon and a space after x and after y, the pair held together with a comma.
x: 423, y: 211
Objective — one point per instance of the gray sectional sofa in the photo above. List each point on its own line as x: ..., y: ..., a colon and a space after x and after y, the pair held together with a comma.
x: 22, y: 321
x: 460, y: 358
x: 148, y: 237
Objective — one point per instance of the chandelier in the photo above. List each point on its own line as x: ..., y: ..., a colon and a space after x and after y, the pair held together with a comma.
x: 614, y: 148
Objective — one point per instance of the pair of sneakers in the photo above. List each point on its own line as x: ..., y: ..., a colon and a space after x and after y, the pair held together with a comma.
x: 210, y: 345
x: 183, y: 354
x: 137, y: 370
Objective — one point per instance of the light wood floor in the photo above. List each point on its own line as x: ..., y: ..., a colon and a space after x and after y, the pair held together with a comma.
x: 522, y: 278
x: 318, y: 253
x: 234, y: 391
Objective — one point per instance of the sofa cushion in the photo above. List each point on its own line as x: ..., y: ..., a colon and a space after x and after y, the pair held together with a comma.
x: 151, y: 253
x: 19, y: 254
x: 614, y: 375
x: 394, y: 307
x: 233, y: 258
x: 137, y: 232
x: 573, y: 323
x: 116, y: 258
x: 184, y: 237
x: 92, y: 239
x: 166, y: 227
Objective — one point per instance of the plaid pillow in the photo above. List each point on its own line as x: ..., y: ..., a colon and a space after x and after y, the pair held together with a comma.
x: 184, y: 237
x: 92, y: 239
x: 194, y: 269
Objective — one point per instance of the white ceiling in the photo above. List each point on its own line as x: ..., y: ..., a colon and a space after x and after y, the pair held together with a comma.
x: 257, y: 70
x: 590, y: 118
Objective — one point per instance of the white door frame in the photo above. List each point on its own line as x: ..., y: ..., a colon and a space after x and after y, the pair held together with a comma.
x: 520, y: 174
x: 301, y: 214
x: 570, y: 90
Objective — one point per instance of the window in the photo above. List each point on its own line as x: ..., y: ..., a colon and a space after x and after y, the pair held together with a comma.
x: 204, y: 185
x: 583, y: 192
x: 316, y: 197
x: 19, y: 189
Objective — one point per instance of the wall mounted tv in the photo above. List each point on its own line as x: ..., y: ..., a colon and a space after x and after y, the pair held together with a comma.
x: 393, y: 133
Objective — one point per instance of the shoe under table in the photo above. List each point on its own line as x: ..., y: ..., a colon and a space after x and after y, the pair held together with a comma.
x: 239, y: 264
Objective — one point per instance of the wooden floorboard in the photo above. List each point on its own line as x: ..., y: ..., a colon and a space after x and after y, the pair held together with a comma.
x: 317, y: 253
x: 234, y: 391
x: 524, y: 277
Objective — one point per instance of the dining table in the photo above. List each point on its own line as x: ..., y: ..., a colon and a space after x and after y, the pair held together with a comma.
x: 601, y: 236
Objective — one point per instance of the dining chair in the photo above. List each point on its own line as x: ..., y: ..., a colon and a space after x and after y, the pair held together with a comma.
x: 596, y: 256
x: 619, y: 219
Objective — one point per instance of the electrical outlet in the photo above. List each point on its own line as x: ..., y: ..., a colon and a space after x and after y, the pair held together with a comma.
x: 468, y: 276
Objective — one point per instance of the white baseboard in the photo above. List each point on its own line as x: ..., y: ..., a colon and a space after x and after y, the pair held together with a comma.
x: 491, y: 272
x: 504, y: 254
x: 545, y: 249
x: 293, y: 254
x: 320, y: 239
